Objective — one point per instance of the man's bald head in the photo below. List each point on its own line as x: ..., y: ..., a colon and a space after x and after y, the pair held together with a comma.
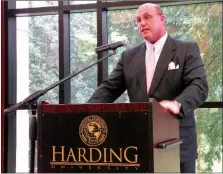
x: 156, y: 7
x: 151, y: 22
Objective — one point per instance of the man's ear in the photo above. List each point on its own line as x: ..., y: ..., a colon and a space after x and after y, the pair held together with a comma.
x: 163, y: 18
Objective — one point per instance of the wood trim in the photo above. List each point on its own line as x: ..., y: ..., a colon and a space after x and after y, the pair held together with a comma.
x: 2, y: 86
x: 95, y: 107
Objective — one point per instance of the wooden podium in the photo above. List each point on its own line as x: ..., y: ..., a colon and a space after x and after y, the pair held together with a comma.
x: 110, y: 138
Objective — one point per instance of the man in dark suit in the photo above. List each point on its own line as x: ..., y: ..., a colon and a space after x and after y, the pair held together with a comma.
x: 168, y: 70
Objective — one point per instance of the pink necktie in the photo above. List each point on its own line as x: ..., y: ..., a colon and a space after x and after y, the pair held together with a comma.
x: 150, y: 67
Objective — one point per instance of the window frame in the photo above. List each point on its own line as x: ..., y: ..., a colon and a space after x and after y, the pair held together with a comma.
x: 63, y: 10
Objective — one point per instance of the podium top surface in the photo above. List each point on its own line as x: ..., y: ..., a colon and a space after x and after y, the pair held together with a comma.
x: 95, y: 107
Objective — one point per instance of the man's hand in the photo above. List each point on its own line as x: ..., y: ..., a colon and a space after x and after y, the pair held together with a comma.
x: 171, y: 106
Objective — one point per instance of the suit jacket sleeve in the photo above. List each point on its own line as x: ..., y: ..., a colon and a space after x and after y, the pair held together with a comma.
x: 194, y: 80
x: 110, y: 89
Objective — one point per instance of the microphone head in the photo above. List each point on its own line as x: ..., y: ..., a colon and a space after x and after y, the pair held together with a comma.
x: 111, y: 46
x: 125, y: 43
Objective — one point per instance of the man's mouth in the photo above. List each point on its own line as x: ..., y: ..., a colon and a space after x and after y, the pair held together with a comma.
x: 145, y: 30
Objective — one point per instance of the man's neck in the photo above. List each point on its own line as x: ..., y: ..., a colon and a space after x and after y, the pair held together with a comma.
x: 161, y: 35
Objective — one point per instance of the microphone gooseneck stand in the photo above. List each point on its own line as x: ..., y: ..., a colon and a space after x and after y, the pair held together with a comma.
x: 31, y: 101
x: 32, y: 137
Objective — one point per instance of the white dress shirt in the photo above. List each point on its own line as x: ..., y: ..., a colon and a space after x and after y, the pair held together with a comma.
x: 158, y: 48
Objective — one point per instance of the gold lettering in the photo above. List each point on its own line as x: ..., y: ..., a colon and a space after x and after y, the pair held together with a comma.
x: 91, y: 152
x: 125, y: 154
x: 81, y: 155
x: 58, y: 153
x: 117, y: 157
x: 71, y: 154
x: 105, y: 155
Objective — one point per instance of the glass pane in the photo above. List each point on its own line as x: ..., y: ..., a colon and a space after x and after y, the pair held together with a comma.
x: 209, y: 137
x: 33, y: 4
x: 83, y: 40
x: 198, y: 22
x: 203, y: 24
x: 37, y: 68
x: 82, y: 2
x: 121, y: 26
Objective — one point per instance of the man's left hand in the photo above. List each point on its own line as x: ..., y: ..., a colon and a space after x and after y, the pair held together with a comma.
x: 171, y: 106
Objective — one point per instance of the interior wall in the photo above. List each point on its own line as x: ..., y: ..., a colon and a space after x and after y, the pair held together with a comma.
x: 2, y: 85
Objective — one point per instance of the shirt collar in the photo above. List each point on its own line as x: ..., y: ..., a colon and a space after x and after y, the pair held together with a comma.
x: 159, y: 44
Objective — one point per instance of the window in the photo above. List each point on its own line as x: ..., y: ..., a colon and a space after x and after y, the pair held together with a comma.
x: 37, y: 68
x: 201, y: 23
x: 38, y: 59
x: 82, y: 2
x: 83, y: 40
x: 32, y: 4
x: 209, y: 136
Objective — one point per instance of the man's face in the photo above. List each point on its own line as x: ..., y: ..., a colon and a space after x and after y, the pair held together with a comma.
x: 150, y: 22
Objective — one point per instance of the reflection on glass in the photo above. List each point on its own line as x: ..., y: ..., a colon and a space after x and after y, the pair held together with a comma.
x: 33, y: 4
x: 37, y: 68
x: 82, y: 2
x: 83, y: 40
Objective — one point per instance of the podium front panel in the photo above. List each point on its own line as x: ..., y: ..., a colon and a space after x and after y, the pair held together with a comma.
x: 89, y: 140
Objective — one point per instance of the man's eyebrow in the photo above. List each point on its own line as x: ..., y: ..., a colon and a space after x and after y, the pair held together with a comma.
x: 146, y: 13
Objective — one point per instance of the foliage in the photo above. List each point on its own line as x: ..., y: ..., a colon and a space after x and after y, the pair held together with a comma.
x: 201, y: 23
x: 83, y: 40
x: 43, y: 53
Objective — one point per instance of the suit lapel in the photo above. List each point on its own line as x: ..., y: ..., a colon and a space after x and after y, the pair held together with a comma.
x: 141, y: 72
x: 165, y: 58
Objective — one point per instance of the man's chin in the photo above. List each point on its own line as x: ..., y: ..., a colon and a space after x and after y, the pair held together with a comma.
x: 147, y: 38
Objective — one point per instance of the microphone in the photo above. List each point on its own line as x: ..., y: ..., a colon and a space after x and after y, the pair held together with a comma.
x: 111, y: 46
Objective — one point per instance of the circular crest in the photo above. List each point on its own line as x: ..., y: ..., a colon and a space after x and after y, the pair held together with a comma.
x: 93, y: 130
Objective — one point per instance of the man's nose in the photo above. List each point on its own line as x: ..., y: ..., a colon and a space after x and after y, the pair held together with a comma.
x: 143, y: 23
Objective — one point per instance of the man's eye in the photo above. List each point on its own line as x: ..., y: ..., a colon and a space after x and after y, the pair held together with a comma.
x: 147, y: 17
x: 138, y: 20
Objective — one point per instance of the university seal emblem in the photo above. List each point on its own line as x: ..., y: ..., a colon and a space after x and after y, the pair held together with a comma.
x: 93, y: 130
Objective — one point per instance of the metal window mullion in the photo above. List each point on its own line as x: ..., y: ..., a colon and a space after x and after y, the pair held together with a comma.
x: 102, y: 38
x: 64, y: 54
x: 11, y: 88
x: 67, y: 92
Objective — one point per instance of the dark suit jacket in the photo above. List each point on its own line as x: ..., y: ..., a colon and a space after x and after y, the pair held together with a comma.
x: 187, y: 85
